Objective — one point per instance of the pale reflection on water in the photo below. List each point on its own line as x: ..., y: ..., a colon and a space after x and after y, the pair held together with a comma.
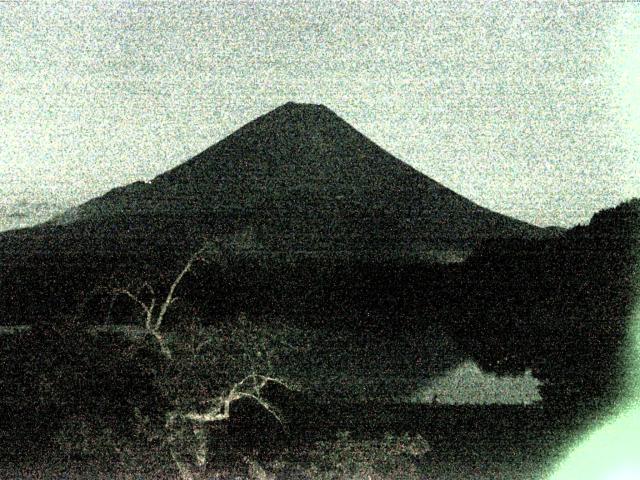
x: 467, y: 383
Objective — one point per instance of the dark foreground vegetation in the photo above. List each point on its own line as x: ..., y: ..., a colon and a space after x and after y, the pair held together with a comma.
x: 336, y: 441
x: 561, y: 307
x: 203, y: 382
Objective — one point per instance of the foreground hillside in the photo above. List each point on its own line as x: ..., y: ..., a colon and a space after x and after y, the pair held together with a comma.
x: 561, y: 307
x: 558, y: 306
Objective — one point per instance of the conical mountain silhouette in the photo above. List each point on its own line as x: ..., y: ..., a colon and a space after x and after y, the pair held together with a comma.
x: 297, y: 181
x: 305, y: 180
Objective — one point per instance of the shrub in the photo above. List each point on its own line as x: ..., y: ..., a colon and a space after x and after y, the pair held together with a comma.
x: 345, y: 457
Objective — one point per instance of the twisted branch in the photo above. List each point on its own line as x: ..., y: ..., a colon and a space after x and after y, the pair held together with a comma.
x: 153, y: 321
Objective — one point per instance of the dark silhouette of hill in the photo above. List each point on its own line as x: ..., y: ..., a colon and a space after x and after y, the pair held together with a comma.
x: 305, y: 180
x: 303, y: 166
x: 560, y: 306
x: 298, y: 181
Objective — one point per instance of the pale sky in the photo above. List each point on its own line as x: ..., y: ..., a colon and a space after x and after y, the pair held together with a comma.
x: 531, y: 109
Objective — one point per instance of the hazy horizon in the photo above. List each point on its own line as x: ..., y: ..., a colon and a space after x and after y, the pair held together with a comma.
x: 527, y: 109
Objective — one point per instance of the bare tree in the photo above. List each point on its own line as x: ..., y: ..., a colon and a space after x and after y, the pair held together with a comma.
x: 153, y: 316
x: 188, y: 424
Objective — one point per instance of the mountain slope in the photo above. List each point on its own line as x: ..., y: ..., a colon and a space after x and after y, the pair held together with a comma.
x: 306, y: 180
x: 297, y: 180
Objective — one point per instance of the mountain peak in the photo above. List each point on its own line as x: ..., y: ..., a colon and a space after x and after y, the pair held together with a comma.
x: 295, y: 109
x: 302, y: 106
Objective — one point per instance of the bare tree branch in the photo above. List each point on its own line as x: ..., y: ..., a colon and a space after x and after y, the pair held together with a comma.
x: 164, y: 348
x: 152, y: 325
x: 148, y: 286
x: 169, y: 299
x: 148, y: 322
x: 250, y: 386
x: 266, y: 405
x: 133, y: 297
